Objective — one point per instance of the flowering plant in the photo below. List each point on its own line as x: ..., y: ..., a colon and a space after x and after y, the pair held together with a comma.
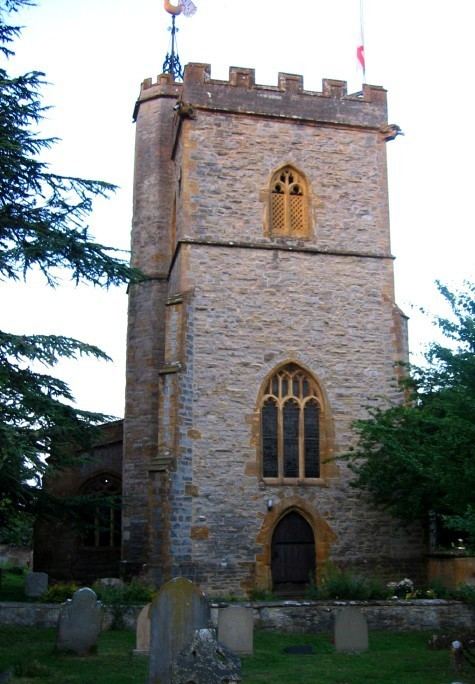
x: 402, y: 588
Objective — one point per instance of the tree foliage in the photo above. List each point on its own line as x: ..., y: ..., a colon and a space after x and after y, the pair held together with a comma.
x: 42, y: 228
x: 417, y: 459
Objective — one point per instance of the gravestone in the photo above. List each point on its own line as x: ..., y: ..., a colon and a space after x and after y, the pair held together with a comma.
x: 142, y: 632
x: 36, y: 583
x: 111, y: 582
x: 206, y: 661
x: 351, y: 630
x: 79, y: 623
x: 179, y: 609
x: 236, y: 629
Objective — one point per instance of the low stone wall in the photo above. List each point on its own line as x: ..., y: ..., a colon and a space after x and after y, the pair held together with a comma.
x: 46, y: 615
x: 397, y: 616
x: 284, y: 616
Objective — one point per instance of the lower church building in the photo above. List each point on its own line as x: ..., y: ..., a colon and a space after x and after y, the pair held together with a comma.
x: 265, y: 326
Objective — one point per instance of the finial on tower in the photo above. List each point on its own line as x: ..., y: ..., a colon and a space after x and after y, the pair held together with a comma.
x: 172, y: 64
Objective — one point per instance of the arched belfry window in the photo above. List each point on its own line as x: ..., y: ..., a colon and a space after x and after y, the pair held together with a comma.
x: 102, y: 523
x: 289, y: 203
x: 292, y: 438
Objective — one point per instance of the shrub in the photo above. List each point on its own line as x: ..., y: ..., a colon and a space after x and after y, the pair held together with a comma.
x: 129, y: 594
x: 15, y: 570
x: 338, y: 584
x: 58, y: 593
x: 402, y: 589
x: 261, y: 595
x: 465, y: 593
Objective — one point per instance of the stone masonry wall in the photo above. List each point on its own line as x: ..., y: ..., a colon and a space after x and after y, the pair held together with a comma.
x: 153, y: 208
x: 227, y: 161
x: 289, y: 616
x: 252, y: 302
x: 332, y: 315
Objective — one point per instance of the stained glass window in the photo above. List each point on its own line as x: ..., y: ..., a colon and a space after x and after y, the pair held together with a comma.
x: 290, y: 425
x: 269, y: 439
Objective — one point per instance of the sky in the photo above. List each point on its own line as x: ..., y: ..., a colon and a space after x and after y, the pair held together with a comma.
x: 95, y: 53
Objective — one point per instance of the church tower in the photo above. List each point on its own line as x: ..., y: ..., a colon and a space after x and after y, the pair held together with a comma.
x: 265, y: 326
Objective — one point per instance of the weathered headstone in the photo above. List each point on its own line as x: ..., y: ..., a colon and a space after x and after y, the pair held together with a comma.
x: 351, y: 630
x: 205, y: 661
x: 179, y: 609
x: 236, y: 629
x: 142, y: 632
x: 111, y: 582
x: 36, y: 583
x: 80, y: 622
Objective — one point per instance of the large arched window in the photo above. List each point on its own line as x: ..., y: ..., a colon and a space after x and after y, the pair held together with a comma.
x: 103, y: 516
x: 288, y: 203
x: 291, y: 410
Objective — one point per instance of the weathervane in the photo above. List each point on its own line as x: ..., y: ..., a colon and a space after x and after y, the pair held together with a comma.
x: 172, y: 64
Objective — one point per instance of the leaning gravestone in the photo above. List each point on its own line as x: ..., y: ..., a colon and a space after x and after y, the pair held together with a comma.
x: 36, y: 583
x: 205, y: 661
x: 80, y: 622
x: 179, y: 609
x: 236, y: 629
x: 351, y: 630
x: 142, y: 633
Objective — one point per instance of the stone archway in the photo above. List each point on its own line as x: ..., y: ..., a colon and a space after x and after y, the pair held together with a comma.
x: 323, y: 535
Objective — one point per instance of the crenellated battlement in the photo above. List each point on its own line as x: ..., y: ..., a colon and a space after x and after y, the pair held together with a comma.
x: 241, y: 94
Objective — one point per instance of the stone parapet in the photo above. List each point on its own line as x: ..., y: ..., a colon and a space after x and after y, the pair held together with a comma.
x: 287, y: 99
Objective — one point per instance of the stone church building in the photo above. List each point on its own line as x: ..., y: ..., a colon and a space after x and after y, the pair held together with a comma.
x: 265, y: 326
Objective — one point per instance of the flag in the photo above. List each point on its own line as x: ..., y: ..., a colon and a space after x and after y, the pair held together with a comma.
x: 360, y: 57
x: 360, y: 46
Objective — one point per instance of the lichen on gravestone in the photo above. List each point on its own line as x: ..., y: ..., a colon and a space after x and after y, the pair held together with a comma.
x: 177, y: 611
x: 206, y: 661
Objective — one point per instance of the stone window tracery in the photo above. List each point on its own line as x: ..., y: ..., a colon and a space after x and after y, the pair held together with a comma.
x: 288, y: 203
x: 291, y: 414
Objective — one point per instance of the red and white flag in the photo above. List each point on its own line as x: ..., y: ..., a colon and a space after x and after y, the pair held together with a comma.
x: 360, y: 57
x: 360, y: 46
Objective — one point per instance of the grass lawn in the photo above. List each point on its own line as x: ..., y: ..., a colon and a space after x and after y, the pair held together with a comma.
x: 31, y: 652
x: 392, y: 659
x: 12, y: 586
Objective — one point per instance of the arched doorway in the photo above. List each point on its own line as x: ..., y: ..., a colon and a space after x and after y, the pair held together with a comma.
x: 293, y: 553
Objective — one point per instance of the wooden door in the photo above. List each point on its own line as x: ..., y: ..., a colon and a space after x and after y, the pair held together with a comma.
x: 293, y: 552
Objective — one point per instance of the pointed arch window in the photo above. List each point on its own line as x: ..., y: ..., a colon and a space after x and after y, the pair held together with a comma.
x: 288, y: 203
x: 102, y: 520
x: 292, y: 438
